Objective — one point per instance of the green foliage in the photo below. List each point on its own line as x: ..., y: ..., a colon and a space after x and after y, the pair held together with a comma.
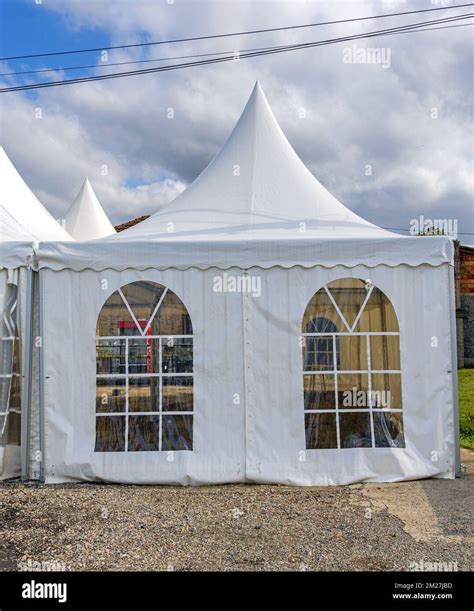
x: 466, y: 407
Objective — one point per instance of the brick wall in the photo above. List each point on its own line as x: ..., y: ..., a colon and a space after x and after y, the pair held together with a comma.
x: 465, y: 305
x: 466, y: 260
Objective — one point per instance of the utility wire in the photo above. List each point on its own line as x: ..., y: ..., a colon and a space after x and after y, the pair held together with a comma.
x: 228, y: 35
x: 272, y: 50
x: 405, y: 229
x: 194, y: 56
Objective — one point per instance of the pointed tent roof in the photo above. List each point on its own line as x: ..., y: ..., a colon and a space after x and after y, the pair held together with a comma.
x: 256, y: 204
x: 258, y: 185
x: 12, y: 230
x: 86, y: 219
x: 22, y: 209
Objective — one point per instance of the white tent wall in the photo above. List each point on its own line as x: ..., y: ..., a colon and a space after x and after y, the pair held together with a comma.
x: 248, y: 379
x: 23, y: 222
x: 275, y: 431
x: 70, y: 377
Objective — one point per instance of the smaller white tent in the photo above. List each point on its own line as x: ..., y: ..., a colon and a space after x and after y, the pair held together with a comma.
x: 23, y: 221
x: 21, y: 203
x: 86, y: 219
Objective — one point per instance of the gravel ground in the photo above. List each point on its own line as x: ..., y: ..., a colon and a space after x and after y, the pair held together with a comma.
x: 360, y: 527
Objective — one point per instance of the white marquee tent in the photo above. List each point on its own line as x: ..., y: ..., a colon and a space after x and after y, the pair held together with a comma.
x: 86, y: 219
x: 255, y: 329
x: 23, y: 221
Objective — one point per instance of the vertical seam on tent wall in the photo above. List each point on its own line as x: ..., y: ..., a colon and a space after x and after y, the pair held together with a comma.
x: 451, y: 298
x: 27, y: 386
x: 336, y: 389
x: 41, y: 372
x: 245, y: 381
x: 127, y: 391
x: 160, y: 393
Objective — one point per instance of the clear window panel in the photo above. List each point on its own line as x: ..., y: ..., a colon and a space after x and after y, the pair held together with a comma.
x: 172, y: 318
x: 143, y: 433
x: 144, y: 394
x: 177, y: 355
x: 349, y: 294
x: 353, y: 353
x: 5, y: 384
x: 353, y: 390
x: 321, y: 316
x: 13, y: 429
x: 7, y: 368
x: 354, y: 430
x: 388, y: 430
x: 387, y: 390
x: 143, y: 355
x: 130, y: 367
x: 16, y: 355
x: 15, y: 392
x: 143, y: 297
x: 115, y: 319
x: 385, y: 352
x: 111, y: 355
x: 319, y: 392
x: 378, y: 314
x: 318, y: 353
x: 178, y: 394
x: 177, y: 433
x: 110, y: 395
x: 5, y: 347
x: 110, y: 434
x: 320, y: 431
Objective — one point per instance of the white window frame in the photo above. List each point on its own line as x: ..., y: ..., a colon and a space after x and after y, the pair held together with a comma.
x: 159, y: 374
x: 335, y: 372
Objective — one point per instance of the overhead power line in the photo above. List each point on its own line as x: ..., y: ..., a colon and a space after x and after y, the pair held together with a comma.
x: 280, y: 49
x: 231, y: 34
x: 406, y: 229
x: 193, y: 56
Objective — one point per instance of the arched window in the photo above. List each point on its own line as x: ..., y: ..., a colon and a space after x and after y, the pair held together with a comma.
x: 144, y: 348
x: 351, y: 368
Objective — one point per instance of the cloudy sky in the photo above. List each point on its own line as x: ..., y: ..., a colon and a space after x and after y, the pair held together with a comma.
x: 410, y: 120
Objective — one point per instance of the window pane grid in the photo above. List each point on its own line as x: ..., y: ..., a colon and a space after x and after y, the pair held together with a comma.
x: 101, y: 376
x: 134, y: 367
x: 359, y: 410
x: 170, y: 413
x: 125, y: 337
x: 10, y: 388
x: 367, y: 413
x: 346, y: 333
x: 321, y: 372
x: 127, y: 377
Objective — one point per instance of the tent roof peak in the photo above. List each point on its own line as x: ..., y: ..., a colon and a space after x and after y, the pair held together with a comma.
x: 255, y: 181
x: 86, y: 218
x: 23, y: 213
